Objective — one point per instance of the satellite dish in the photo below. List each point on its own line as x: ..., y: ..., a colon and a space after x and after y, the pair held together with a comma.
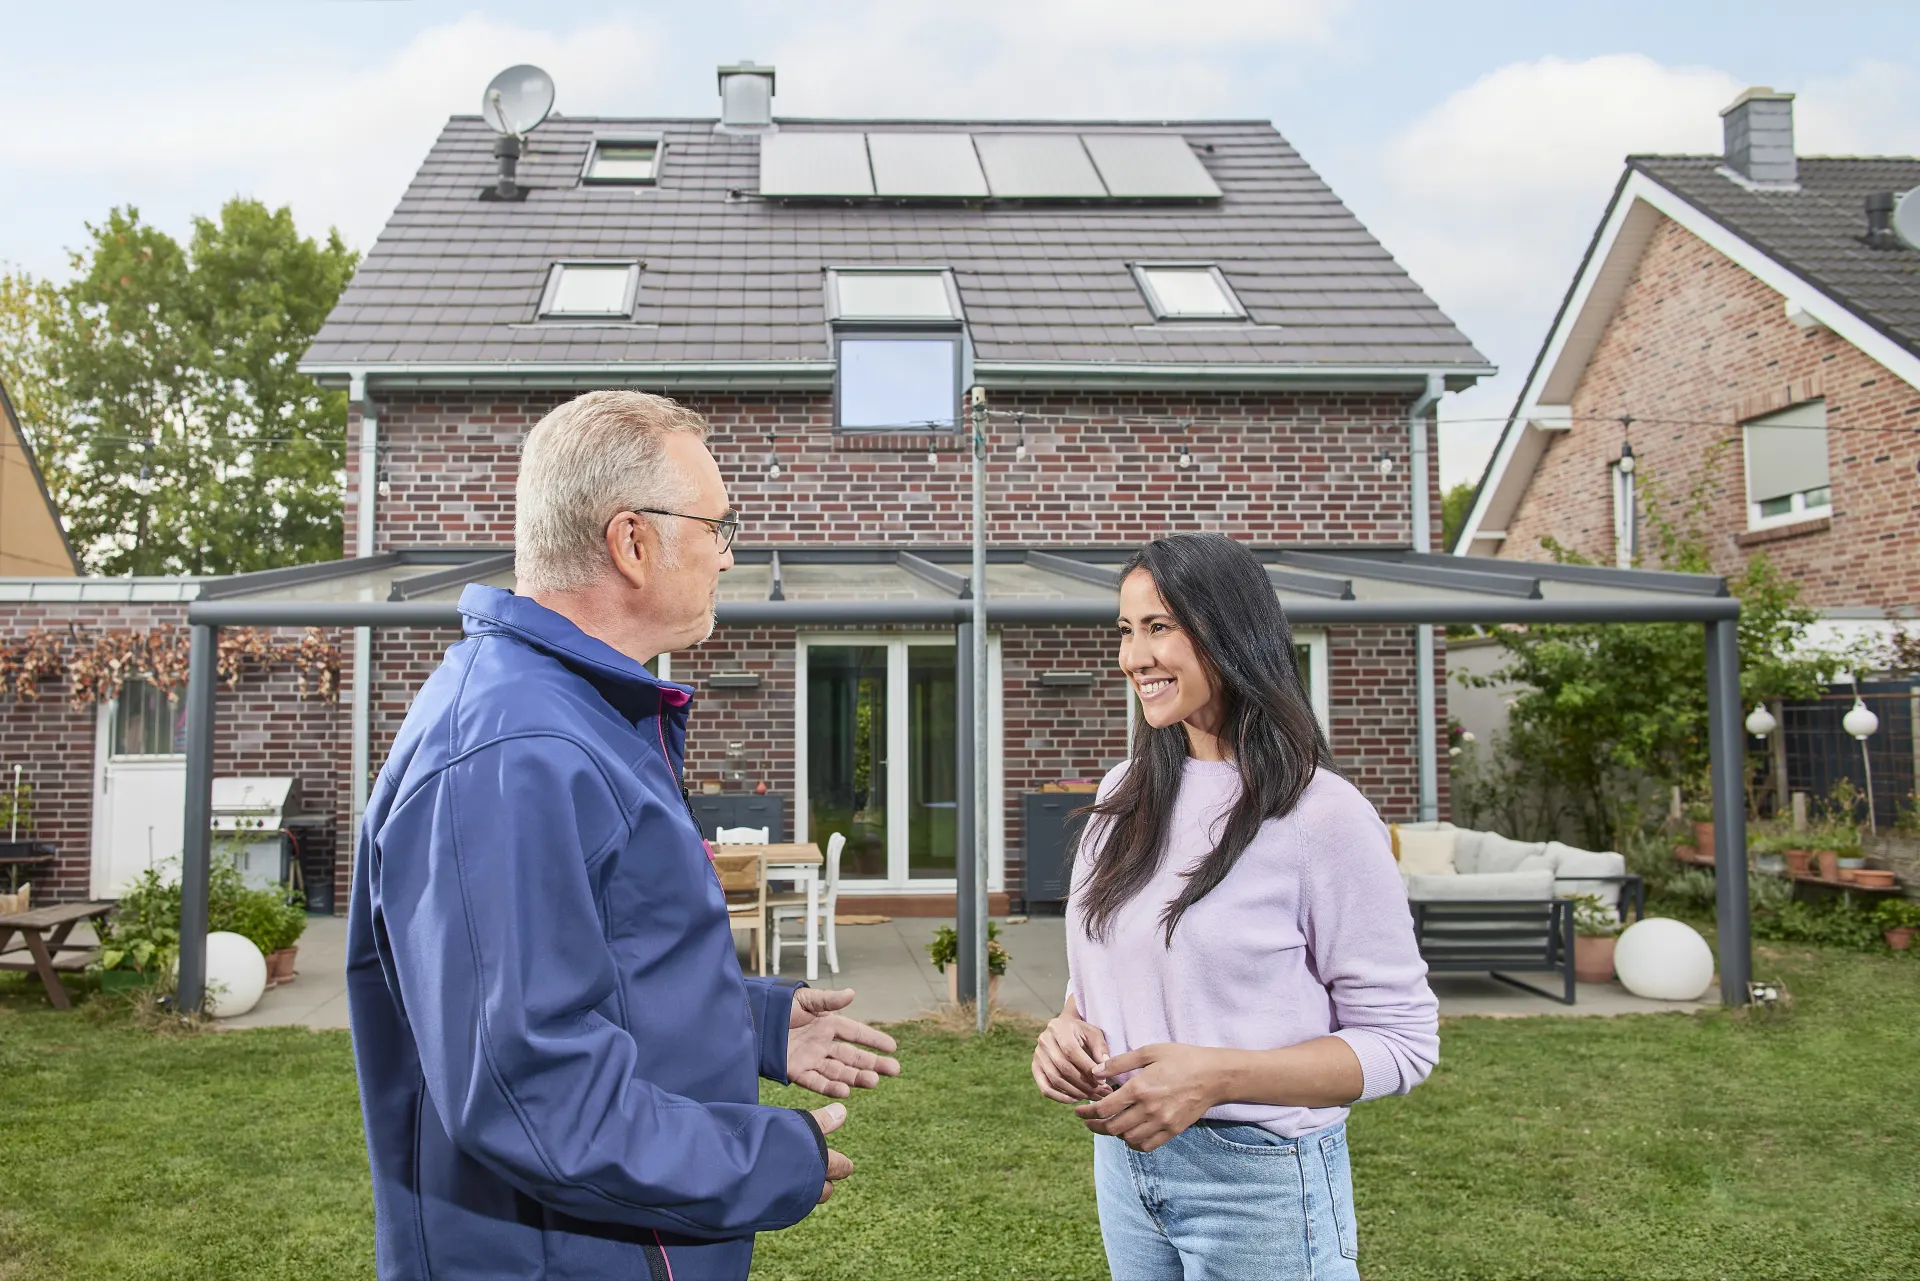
x: 517, y: 100
x: 1906, y: 219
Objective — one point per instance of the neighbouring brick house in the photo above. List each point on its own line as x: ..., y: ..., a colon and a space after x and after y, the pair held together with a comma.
x: 1178, y: 327
x: 1751, y: 321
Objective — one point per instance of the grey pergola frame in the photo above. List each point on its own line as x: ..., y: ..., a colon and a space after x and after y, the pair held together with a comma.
x: 1672, y: 598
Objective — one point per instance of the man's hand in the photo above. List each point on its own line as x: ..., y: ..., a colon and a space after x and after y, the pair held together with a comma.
x: 1172, y: 1087
x: 831, y: 1118
x: 1065, y: 1060
x: 824, y: 1051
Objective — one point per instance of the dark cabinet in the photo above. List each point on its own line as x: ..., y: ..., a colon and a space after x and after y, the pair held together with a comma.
x: 1051, y: 831
x: 712, y: 810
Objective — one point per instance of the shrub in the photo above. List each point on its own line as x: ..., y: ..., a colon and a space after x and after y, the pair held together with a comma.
x: 945, y: 949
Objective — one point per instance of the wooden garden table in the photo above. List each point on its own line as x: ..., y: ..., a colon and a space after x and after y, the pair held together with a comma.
x: 799, y: 862
x: 43, y: 931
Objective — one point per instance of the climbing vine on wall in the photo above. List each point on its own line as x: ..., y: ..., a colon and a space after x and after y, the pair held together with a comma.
x: 98, y: 664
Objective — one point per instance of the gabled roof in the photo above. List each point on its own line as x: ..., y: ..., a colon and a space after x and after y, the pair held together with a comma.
x: 1806, y: 242
x: 33, y: 538
x: 733, y: 282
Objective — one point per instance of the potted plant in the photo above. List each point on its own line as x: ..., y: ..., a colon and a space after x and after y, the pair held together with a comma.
x: 138, y: 942
x: 1700, y: 814
x: 271, y: 919
x: 1596, y: 928
x: 1897, y: 918
x: 944, y: 951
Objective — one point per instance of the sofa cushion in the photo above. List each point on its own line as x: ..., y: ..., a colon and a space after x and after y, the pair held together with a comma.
x: 1393, y: 831
x: 1426, y: 853
x: 1478, y: 853
x: 1490, y: 885
x: 1570, y: 864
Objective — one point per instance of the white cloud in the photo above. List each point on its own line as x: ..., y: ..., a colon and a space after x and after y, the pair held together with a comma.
x: 1493, y: 194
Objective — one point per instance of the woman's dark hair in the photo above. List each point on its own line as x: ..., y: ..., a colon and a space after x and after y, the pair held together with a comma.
x: 1219, y: 593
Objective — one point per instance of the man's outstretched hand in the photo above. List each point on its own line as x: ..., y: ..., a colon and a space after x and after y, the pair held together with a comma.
x: 829, y: 1053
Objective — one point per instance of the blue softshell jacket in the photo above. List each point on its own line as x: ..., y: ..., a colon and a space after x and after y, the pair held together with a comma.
x: 558, y: 1054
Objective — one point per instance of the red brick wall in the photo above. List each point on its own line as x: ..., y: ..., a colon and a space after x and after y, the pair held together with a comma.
x: 1695, y: 338
x: 263, y: 728
x: 1297, y: 468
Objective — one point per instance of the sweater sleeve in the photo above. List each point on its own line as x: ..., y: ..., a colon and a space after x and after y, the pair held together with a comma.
x: 1361, y: 935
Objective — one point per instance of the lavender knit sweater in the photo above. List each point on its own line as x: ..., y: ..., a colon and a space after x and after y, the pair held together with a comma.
x: 1308, y: 935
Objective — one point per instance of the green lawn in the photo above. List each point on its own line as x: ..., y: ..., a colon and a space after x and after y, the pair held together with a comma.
x: 1780, y: 1144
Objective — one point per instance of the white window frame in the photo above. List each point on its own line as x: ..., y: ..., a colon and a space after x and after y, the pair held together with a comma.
x: 1798, y: 508
x: 837, y: 316
x: 897, y: 881
x: 655, y: 141
x: 551, y: 293
x: 1626, y: 525
x: 1144, y: 281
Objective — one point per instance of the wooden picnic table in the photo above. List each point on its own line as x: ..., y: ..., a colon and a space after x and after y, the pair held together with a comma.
x: 43, y: 931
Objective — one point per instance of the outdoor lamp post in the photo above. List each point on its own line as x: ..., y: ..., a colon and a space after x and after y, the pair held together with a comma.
x: 1861, y: 723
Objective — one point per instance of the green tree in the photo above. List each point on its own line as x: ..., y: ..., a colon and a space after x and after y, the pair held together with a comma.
x: 1606, y: 707
x: 1454, y: 505
x: 176, y: 432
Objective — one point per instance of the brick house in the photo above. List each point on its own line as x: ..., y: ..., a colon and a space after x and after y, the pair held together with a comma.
x: 1749, y: 321
x: 1178, y: 327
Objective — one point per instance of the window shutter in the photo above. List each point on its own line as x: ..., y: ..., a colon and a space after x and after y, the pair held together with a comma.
x: 1787, y: 452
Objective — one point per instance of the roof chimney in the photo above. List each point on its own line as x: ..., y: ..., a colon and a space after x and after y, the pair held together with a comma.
x: 1759, y: 137
x: 746, y: 98
x: 1880, y: 234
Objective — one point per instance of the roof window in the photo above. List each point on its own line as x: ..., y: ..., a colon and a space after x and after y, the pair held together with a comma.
x: 1187, y: 291
x: 891, y: 295
x: 590, y: 290
x: 622, y: 161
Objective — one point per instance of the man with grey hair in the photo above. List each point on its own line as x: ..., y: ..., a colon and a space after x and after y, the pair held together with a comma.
x: 557, y: 1051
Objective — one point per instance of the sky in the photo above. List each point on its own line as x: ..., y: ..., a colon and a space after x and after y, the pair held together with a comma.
x: 1478, y: 140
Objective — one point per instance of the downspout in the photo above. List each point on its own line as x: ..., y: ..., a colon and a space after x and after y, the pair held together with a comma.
x: 1428, y: 728
x: 363, y: 636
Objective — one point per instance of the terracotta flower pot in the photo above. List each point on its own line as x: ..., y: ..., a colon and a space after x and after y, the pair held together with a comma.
x: 1877, y: 878
x: 953, y: 986
x: 1799, y: 862
x: 1900, y: 937
x: 280, y: 966
x: 1829, y: 864
x: 1593, y: 959
x: 1703, y: 837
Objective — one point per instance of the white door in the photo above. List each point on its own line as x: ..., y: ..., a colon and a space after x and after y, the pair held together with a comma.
x: 139, y: 807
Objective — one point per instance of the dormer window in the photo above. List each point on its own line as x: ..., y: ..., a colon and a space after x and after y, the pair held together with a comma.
x: 891, y: 295
x: 622, y: 162
x: 898, y: 350
x: 590, y: 291
x: 1187, y: 291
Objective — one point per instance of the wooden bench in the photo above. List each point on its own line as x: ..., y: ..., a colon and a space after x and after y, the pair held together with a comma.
x: 44, y: 948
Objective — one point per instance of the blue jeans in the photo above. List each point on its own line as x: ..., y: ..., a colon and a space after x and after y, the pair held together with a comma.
x: 1228, y: 1203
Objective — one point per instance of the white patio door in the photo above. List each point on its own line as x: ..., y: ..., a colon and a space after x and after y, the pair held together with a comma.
x: 876, y: 735
x: 140, y: 801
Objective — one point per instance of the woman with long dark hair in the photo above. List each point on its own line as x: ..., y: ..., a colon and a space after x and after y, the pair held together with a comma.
x: 1241, y: 960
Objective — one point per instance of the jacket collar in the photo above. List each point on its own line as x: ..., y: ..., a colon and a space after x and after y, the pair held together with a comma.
x: 495, y: 609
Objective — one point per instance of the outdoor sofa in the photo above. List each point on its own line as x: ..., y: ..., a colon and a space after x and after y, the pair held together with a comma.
x: 1483, y: 903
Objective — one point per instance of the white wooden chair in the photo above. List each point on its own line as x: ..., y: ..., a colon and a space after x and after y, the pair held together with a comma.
x: 741, y: 835
x: 793, y: 907
x: 743, y: 877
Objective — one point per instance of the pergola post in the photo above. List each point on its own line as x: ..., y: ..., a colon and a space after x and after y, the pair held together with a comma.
x: 963, y: 836
x: 1726, y: 748
x: 196, y: 860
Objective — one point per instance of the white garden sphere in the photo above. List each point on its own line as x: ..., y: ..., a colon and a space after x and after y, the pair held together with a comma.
x: 1663, y: 960
x: 236, y: 974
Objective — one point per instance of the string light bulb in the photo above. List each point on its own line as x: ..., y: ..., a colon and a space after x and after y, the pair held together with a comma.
x: 1385, y: 463
x: 1182, y: 457
x: 1020, y: 450
x: 773, y: 459
x: 1626, y: 457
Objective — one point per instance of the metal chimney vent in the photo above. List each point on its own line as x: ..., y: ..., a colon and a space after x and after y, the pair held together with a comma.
x: 1758, y: 128
x: 1880, y: 233
x: 746, y: 98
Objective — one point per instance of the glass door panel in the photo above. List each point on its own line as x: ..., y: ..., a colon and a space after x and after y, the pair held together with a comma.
x: 847, y: 753
x: 931, y: 744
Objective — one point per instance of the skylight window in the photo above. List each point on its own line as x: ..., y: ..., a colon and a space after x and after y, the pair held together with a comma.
x: 892, y: 295
x: 628, y: 161
x: 1188, y: 292
x: 590, y: 290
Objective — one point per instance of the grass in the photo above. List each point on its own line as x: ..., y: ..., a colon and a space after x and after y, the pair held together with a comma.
x: 1770, y: 1144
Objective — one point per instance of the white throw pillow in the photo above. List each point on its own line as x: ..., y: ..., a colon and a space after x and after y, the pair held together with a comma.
x: 1426, y: 853
x: 1571, y: 864
x: 1487, y: 885
x: 1493, y: 852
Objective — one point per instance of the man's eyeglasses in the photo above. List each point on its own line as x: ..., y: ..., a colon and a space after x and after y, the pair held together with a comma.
x: 724, y: 527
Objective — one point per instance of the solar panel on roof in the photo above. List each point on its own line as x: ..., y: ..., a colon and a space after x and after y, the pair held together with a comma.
x: 925, y: 164
x: 1038, y: 166
x: 815, y: 164
x: 1148, y: 164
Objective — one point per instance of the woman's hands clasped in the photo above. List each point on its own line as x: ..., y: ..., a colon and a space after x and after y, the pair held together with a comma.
x: 1066, y: 1061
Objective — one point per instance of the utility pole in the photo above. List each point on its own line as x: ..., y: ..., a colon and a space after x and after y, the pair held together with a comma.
x: 977, y: 407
